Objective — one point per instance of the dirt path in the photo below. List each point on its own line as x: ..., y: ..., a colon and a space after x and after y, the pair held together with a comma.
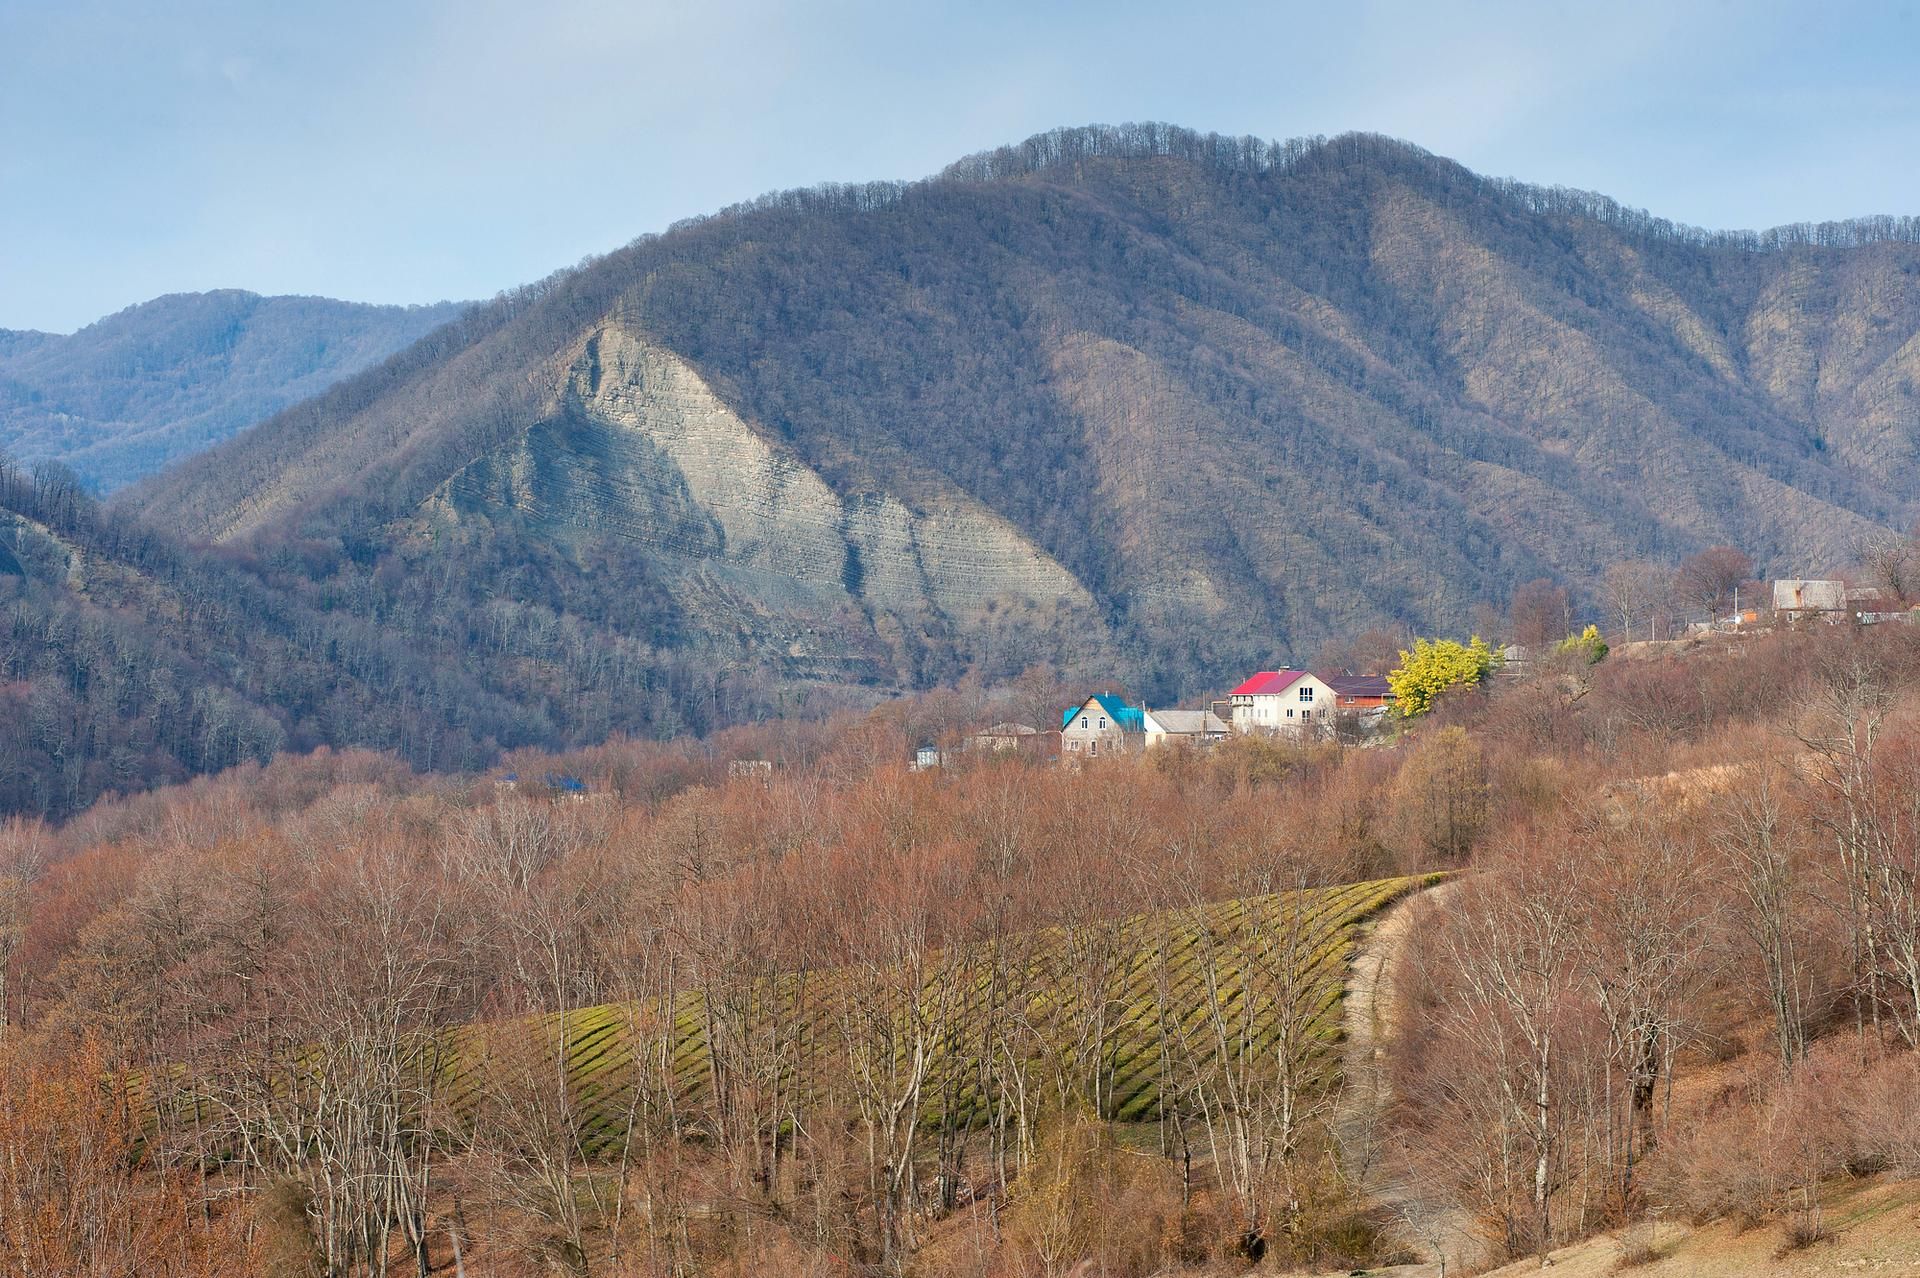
x: 1419, y: 1224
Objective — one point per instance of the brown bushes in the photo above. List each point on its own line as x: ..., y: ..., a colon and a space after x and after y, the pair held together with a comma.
x: 1761, y: 1149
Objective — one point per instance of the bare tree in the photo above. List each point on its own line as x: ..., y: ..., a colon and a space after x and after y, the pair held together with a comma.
x: 1841, y: 726
x: 1539, y: 614
x: 1643, y: 952
x: 25, y: 848
x: 1891, y: 562
x: 1634, y: 590
x: 1707, y: 581
x: 1757, y: 841
x: 347, y: 1105
x: 1511, y: 944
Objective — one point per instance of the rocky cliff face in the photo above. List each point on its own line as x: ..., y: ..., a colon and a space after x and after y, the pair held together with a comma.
x: 637, y: 449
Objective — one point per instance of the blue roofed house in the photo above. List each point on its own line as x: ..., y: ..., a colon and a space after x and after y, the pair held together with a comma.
x: 1101, y: 725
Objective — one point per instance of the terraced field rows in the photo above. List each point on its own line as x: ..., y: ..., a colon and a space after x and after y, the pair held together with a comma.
x: 1170, y: 986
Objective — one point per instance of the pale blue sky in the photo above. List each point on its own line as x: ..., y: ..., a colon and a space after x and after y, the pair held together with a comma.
x: 415, y: 150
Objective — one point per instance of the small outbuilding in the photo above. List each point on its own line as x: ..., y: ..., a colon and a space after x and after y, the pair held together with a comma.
x: 1015, y: 738
x: 1799, y: 597
x: 1360, y: 692
x: 1183, y: 727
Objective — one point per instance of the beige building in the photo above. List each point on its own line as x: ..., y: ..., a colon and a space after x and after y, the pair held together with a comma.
x: 1183, y: 727
x: 1101, y: 725
x: 1015, y: 738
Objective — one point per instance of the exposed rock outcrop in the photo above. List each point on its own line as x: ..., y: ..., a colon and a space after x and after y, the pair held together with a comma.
x: 638, y: 448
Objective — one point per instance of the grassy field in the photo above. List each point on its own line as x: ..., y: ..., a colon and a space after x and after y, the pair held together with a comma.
x: 1172, y: 987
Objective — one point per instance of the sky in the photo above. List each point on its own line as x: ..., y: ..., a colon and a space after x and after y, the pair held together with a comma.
x: 426, y: 150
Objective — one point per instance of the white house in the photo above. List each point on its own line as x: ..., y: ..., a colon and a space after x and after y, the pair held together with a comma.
x: 1290, y: 701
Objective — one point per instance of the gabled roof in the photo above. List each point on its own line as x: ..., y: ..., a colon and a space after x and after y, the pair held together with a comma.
x: 1269, y: 683
x: 1125, y: 717
x: 1189, y: 722
x: 1809, y: 596
x: 1359, y: 685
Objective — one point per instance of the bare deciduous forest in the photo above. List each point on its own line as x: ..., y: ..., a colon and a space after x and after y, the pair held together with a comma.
x: 1001, y: 1017
x: 464, y: 824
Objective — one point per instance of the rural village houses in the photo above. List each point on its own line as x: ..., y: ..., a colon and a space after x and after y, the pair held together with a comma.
x: 1286, y: 701
x: 1184, y: 727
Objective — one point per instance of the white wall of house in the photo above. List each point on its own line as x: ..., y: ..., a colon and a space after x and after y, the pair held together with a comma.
x: 1305, y: 708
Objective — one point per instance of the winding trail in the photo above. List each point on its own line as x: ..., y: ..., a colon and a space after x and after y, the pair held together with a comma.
x: 1415, y: 1222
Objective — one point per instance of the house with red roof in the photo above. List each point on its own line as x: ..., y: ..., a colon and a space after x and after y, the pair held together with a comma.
x: 1284, y: 700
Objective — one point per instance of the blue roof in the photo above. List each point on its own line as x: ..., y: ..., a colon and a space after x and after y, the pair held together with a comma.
x: 1125, y: 717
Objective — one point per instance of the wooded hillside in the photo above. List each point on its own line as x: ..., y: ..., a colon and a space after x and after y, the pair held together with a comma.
x: 1136, y: 406
x: 1189, y: 404
x: 123, y: 397
x: 662, y: 1016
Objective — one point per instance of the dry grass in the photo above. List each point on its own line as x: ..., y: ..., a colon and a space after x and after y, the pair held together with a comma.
x: 1864, y: 1228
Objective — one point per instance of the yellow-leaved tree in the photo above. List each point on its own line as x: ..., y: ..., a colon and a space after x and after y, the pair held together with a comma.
x: 1432, y: 667
x: 1588, y: 644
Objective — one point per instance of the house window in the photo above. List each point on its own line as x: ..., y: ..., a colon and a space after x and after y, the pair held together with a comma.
x: 1093, y: 747
x: 1306, y: 694
x: 1289, y: 712
x: 1103, y: 723
x: 1306, y: 714
x: 1074, y: 746
x: 1086, y: 721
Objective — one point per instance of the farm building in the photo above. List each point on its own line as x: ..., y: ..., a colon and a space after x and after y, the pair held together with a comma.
x: 1792, y: 597
x: 1183, y: 727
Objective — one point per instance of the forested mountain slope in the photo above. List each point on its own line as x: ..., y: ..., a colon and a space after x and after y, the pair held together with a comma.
x: 1140, y: 405
x: 128, y: 661
x: 123, y: 397
x: 1180, y: 404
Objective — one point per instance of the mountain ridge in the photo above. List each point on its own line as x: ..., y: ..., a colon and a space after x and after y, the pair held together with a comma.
x: 1206, y: 376
x: 164, y: 378
x: 1133, y: 419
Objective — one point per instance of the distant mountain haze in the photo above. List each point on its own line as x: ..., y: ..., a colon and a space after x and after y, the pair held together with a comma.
x: 1143, y: 405
x: 121, y: 398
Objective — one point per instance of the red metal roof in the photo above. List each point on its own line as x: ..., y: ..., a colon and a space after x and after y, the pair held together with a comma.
x: 1268, y: 682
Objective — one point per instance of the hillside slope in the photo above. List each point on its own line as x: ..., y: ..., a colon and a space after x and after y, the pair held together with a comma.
x: 1873, y: 1228
x: 1180, y: 404
x: 121, y: 398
